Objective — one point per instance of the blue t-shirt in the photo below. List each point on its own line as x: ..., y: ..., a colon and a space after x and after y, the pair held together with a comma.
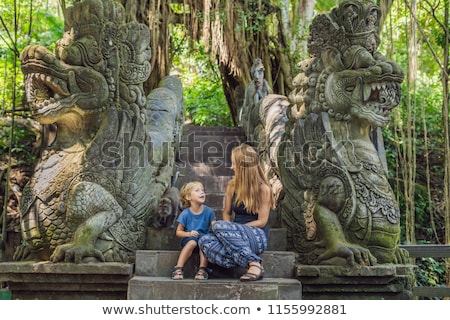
x: 199, y: 222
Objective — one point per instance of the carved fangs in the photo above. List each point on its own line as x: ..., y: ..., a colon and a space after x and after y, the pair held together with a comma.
x: 385, y: 94
x: 44, y: 91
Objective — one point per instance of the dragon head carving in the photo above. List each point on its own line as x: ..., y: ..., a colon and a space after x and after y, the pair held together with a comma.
x: 347, y: 77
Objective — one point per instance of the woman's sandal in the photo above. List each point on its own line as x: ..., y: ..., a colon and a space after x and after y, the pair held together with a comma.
x: 202, y: 274
x: 178, y: 273
x: 250, y: 276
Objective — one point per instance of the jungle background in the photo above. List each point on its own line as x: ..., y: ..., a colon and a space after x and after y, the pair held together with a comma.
x: 211, y: 45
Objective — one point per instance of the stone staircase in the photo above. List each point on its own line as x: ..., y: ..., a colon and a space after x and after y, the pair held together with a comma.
x: 204, y: 156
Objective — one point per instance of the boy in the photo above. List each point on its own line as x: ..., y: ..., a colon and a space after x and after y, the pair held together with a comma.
x: 193, y: 223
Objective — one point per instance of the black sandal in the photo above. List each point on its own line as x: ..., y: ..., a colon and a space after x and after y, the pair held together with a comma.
x: 177, y: 273
x: 250, y: 276
x: 202, y: 274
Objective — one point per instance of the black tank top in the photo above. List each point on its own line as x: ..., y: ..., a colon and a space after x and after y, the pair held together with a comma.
x: 241, y: 215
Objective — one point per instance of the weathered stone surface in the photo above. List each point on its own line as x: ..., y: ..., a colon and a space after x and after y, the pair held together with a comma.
x: 381, y: 282
x: 159, y: 263
x: 144, y: 288
x: 255, y: 92
x: 323, y: 148
x: 98, y: 184
x: 66, y: 281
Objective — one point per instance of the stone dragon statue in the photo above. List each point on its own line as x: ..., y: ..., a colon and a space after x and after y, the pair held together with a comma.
x: 323, y: 144
x: 97, y: 185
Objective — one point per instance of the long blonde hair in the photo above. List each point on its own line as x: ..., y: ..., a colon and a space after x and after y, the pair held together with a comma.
x: 248, y: 178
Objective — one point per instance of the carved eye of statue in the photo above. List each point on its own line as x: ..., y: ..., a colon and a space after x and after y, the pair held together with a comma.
x: 82, y: 52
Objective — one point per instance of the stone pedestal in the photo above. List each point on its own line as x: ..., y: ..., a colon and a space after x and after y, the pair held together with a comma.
x: 66, y: 281
x: 382, y: 282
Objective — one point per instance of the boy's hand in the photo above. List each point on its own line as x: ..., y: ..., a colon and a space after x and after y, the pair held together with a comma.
x: 193, y: 233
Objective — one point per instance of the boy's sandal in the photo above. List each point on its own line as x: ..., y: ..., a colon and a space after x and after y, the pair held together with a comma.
x: 250, y: 276
x: 202, y: 274
x: 178, y: 273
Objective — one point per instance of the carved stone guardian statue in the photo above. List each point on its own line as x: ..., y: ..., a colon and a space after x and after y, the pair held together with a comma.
x: 335, y: 200
x: 98, y: 184
x: 255, y: 91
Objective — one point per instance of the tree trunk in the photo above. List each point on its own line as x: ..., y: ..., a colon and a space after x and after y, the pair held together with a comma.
x: 445, y: 86
x: 409, y: 149
x: 234, y: 32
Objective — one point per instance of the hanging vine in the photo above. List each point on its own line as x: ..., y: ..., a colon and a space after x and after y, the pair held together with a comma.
x: 233, y: 32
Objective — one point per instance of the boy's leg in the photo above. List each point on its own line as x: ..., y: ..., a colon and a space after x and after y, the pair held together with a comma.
x: 186, y: 252
x: 202, y: 272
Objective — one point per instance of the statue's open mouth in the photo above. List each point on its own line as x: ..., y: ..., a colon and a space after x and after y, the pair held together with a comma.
x: 381, y: 98
x: 49, y: 84
x: 52, y: 85
x: 375, y: 97
x: 45, y: 93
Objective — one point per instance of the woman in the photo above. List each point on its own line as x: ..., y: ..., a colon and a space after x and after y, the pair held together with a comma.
x: 249, y: 196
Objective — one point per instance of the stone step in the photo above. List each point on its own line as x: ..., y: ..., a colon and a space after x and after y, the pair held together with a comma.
x: 159, y: 263
x: 213, y: 130
x: 205, y: 151
x: 66, y: 281
x: 165, y: 239
x: 214, y: 185
x: 205, y: 142
x: 164, y: 288
x: 198, y: 169
x: 380, y: 282
x: 204, y: 155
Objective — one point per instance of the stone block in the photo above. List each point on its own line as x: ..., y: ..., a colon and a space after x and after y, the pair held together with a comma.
x: 154, y: 288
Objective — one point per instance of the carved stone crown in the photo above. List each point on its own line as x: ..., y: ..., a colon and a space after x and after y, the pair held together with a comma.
x: 360, y: 19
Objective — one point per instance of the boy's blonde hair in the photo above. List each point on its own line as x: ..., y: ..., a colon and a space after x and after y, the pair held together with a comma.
x: 186, y: 190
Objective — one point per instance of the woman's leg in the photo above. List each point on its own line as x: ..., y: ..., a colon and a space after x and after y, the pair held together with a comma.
x: 241, y: 242
x: 214, y: 251
x: 203, y: 260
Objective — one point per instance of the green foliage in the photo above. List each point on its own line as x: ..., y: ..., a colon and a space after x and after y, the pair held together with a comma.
x: 44, y: 27
x: 427, y: 102
x: 323, y: 6
x: 205, y: 102
x: 48, y: 28
x: 430, y: 272
x: 425, y: 98
x: 22, y: 25
x: 22, y: 144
